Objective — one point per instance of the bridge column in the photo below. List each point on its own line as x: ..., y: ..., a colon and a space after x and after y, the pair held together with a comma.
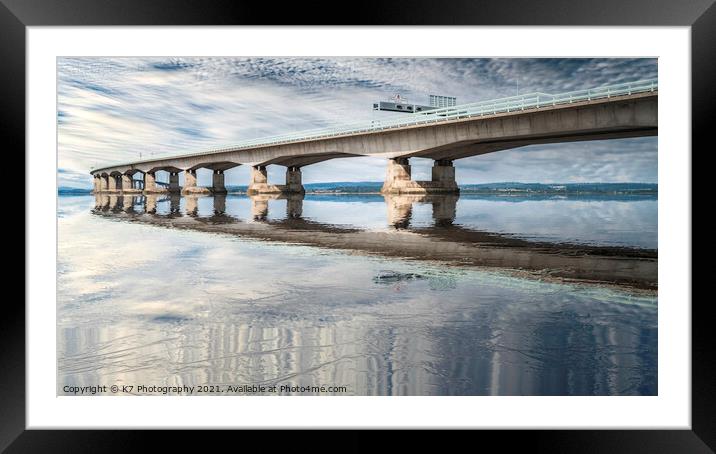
x: 112, y: 185
x: 444, y: 176
x: 95, y: 184
x: 217, y: 186
x: 189, y: 178
x: 127, y: 184
x: 397, y: 176
x: 103, y: 184
x: 174, y: 182
x: 293, y: 180
x: 259, y: 180
x: 150, y: 182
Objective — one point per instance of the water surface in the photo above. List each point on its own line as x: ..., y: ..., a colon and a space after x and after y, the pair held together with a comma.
x: 144, y: 304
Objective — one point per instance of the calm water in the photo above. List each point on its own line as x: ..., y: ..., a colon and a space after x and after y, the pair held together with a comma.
x: 142, y: 304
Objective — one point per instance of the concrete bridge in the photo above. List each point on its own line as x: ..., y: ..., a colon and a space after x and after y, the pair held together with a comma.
x: 444, y: 135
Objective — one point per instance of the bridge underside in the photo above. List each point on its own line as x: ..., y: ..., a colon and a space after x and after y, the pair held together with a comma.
x: 615, y: 118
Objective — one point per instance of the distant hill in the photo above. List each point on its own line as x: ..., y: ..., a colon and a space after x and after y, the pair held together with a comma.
x: 502, y: 188
x: 70, y: 191
x: 341, y: 187
x: 562, y: 188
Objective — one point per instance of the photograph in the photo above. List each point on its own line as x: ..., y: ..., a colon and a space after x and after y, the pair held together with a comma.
x: 357, y: 226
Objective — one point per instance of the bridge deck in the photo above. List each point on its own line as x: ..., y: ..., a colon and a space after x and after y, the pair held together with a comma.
x: 527, y: 102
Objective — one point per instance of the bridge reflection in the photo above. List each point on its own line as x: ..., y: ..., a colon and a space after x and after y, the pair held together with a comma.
x: 442, y: 240
x: 399, y: 208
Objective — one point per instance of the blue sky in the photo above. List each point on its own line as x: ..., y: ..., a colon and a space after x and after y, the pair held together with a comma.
x: 113, y: 109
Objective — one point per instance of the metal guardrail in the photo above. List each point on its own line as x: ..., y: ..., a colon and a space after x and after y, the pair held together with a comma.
x: 477, y: 109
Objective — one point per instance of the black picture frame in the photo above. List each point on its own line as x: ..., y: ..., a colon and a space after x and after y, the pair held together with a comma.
x: 16, y: 15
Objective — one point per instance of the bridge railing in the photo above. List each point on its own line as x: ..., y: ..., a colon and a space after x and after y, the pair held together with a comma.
x: 476, y: 109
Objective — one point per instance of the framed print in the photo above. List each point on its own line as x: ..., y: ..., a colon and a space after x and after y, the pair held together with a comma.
x: 454, y: 216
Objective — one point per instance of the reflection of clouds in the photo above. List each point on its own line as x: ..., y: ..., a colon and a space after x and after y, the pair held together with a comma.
x: 630, y: 223
x: 115, y: 108
x: 138, y: 304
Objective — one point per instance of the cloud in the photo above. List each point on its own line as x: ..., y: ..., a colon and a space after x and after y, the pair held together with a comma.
x: 112, y: 109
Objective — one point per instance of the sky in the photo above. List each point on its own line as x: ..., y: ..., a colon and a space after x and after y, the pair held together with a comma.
x: 118, y: 109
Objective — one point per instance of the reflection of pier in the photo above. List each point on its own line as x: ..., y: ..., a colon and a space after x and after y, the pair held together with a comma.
x: 400, y: 208
x: 260, y: 205
x: 443, y: 241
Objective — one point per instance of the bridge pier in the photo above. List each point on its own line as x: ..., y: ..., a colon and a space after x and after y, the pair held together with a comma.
x: 217, y: 182
x: 190, y: 186
x: 150, y: 184
x: 112, y: 184
x: 294, y: 184
x: 96, y: 184
x: 174, y: 182
x: 259, y: 182
x: 128, y: 184
x: 444, y: 175
x: 398, y: 179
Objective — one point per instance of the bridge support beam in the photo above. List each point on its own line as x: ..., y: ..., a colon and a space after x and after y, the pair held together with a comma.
x: 174, y: 182
x: 398, y: 181
x: 217, y: 182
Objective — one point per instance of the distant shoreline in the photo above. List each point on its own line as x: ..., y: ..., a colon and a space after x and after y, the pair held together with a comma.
x: 499, y: 189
